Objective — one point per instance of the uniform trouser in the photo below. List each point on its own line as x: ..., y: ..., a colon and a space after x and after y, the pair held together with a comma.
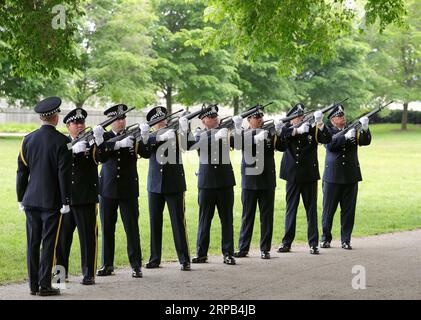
x: 346, y: 196
x: 223, y: 200
x: 250, y: 198
x: 308, y: 192
x: 129, y: 210
x: 84, y: 218
x: 42, y: 230
x: 175, y: 203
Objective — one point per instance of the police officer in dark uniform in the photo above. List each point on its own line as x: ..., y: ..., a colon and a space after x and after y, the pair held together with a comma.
x: 119, y: 188
x: 341, y: 176
x: 216, y: 186
x: 300, y: 168
x: 83, y: 201
x: 257, y: 187
x: 166, y: 184
x: 43, y: 187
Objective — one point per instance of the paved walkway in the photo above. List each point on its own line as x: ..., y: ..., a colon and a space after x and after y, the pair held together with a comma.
x: 392, y: 264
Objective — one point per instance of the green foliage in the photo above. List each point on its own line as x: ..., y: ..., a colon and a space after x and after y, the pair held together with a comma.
x: 259, y: 82
x: 30, y: 42
x: 348, y: 75
x: 291, y: 30
x: 183, y: 74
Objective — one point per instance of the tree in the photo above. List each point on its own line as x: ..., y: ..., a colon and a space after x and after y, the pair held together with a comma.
x: 260, y: 82
x: 114, y: 55
x: 38, y: 36
x: 292, y: 30
x: 182, y: 73
x: 397, y: 56
x: 348, y: 75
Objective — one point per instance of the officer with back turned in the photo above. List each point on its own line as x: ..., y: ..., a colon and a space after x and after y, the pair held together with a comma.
x: 43, y: 186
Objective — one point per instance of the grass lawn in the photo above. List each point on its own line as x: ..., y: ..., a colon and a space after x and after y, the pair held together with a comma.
x: 388, y: 200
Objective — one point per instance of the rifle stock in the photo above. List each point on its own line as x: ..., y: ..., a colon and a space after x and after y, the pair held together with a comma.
x: 87, y: 134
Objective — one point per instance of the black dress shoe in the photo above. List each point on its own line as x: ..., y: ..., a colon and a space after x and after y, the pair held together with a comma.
x: 34, y: 291
x: 88, y: 281
x: 44, y: 292
x: 200, y: 259
x: 314, y: 250
x: 240, y: 254
x: 186, y: 266
x: 265, y: 255
x: 346, y: 246
x: 137, y: 273
x: 229, y: 259
x: 151, y: 265
x: 284, y: 248
x: 105, y: 271
x: 325, y: 244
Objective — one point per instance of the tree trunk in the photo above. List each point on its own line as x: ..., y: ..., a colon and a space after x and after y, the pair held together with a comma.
x: 236, y: 105
x: 79, y: 104
x: 168, y: 99
x: 404, y: 116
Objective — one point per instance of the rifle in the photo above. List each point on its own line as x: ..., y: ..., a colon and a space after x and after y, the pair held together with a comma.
x: 134, y: 129
x: 228, y: 123
x: 87, y: 134
x: 174, y: 124
x: 356, y: 124
x: 269, y: 125
x: 309, y: 117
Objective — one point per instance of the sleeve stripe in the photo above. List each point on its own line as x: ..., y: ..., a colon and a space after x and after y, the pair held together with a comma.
x: 21, y: 154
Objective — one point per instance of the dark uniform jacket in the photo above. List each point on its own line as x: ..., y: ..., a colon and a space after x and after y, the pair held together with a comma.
x: 44, y: 170
x: 85, y: 185
x: 299, y: 162
x: 165, y: 177
x: 267, y: 179
x: 118, y: 178
x: 341, y: 165
x: 213, y: 174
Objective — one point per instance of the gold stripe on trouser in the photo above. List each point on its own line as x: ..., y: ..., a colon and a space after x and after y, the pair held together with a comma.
x: 94, y: 154
x: 96, y: 238
x: 184, y: 222
x: 358, y: 138
x: 55, y: 244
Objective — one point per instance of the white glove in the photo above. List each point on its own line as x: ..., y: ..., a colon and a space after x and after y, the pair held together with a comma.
x: 318, y: 116
x: 279, y: 125
x: 364, y: 123
x: 79, y: 147
x: 261, y: 136
x: 65, y: 209
x: 304, y: 128
x: 144, y: 131
x: 98, y: 135
x: 183, y: 123
x: 168, y: 135
x: 238, y: 121
x: 21, y: 207
x: 350, y: 134
x: 222, y: 133
x: 125, y: 143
